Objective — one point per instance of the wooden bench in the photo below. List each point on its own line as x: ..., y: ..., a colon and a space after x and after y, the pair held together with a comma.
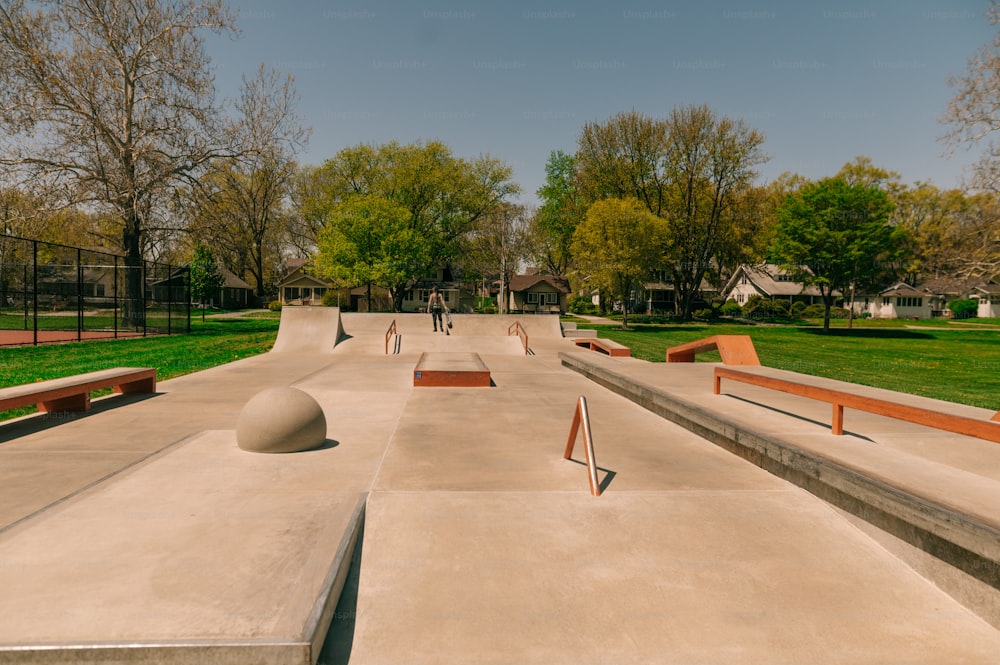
x: 734, y: 349
x: 981, y: 429
x: 607, y: 346
x: 72, y: 393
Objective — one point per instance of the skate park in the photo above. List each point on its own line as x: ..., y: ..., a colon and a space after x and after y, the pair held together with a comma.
x: 442, y: 524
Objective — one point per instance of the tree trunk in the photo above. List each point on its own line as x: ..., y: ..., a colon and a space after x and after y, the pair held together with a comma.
x: 134, y: 306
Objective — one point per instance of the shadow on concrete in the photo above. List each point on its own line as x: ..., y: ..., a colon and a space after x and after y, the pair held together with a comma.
x: 869, y: 333
x: 797, y: 416
x: 609, y: 475
x: 339, y: 641
x: 40, y: 422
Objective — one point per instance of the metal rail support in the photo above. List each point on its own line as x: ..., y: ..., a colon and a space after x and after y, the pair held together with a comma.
x: 517, y: 329
x: 389, y: 333
x: 582, y: 417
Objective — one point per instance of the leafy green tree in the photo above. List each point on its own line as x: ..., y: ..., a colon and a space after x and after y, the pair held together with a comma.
x: 206, y: 276
x: 837, y: 237
x: 617, y: 245
x: 447, y: 198
x: 368, y: 240
x: 560, y: 212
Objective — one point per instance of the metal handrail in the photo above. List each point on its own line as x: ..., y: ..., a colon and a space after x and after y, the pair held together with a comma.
x: 517, y: 329
x: 582, y: 416
x: 389, y: 333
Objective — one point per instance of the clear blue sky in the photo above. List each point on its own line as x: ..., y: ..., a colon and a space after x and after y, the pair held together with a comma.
x: 824, y: 81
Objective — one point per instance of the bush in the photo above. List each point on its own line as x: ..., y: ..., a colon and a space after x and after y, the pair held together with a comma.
x: 580, y: 305
x: 708, y: 314
x: 759, y: 307
x: 814, y: 311
x: 274, y: 305
x: 731, y: 308
x: 797, y: 308
x: 329, y: 299
x: 963, y: 308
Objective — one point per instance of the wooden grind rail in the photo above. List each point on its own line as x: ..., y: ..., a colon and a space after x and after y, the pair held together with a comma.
x: 988, y: 430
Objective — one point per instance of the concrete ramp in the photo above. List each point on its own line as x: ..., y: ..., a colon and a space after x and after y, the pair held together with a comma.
x: 308, y: 330
x: 478, y: 325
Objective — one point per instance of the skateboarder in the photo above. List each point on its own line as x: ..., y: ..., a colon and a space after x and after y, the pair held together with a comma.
x: 436, y: 306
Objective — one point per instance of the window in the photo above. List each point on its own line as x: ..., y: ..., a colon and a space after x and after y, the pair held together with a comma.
x: 531, y: 298
x: 291, y: 292
x: 319, y: 291
x: 551, y: 298
x: 886, y: 302
x: 447, y: 296
x: 909, y: 302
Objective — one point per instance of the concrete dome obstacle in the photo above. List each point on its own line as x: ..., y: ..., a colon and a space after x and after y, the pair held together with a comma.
x: 281, y: 420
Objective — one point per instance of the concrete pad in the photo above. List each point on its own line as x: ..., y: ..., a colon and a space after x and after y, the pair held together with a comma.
x: 664, y: 577
x: 203, y: 543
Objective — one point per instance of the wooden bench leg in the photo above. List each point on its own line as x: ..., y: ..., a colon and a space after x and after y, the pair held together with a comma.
x: 140, y: 386
x: 718, y: 385
x: 838, y: 419
x: 79, y: 402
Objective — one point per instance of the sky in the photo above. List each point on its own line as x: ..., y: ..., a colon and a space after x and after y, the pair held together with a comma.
x: 824, y: 81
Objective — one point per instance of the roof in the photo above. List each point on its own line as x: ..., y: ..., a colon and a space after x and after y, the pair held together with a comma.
x: 902, y: 289
x: 525, y: 282
x: 765, y: 279
x: 989, y: 288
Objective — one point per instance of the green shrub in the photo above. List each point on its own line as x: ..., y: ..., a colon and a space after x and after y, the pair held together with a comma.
x: 731, y: 308
x: 707, y: 314
x: 797, y: 308
x: 759, y: 307
x: 274, y: 305
x: 581, y: 305
x: 330, y: 299
x: 814, y: 311
x: 963, y: 308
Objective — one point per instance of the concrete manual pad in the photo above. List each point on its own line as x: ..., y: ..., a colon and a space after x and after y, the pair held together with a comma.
x: 669, y: 577
x: 196, y: 547
x: 457, y: 370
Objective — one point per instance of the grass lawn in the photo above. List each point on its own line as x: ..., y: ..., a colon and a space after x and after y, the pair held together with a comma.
x: 959, y: 365
x: 214, y: 342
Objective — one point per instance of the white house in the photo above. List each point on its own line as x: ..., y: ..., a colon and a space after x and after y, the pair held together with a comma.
x: 769, y: 281
x: 301, y: 288
x: 988, y: 296
x: 899, y: 301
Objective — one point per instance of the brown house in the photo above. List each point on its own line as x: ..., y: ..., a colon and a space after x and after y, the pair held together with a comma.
x: 535, y: 293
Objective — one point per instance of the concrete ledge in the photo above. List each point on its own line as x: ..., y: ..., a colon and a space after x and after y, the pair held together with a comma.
x: 966, y: 541
x: 460, y: 370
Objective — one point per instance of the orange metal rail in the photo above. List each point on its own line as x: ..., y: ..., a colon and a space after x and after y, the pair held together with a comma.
x: 582, y: 417
x: 981, y: 429
x: 517, y: 329
x: 389, y: 333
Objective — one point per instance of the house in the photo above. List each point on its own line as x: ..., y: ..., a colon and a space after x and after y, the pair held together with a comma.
x: 899, y: 301
x: 300, y: 287
x: 772, y: 282
x: 234, y: 293
x: 988, y: 295
x: 538, y: 293
x: 659, y: 294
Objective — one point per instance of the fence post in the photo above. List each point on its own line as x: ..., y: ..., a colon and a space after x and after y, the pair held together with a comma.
x: 79, y: 294
x: 34, y: 289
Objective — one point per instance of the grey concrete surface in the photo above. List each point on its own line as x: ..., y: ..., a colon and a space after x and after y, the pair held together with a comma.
x: 141, y: 531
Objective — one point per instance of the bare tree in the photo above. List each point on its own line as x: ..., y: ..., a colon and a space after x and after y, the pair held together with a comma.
x: 110, y: 103
x: 974, y: 111
x: 498, y: 246
x: 240, y: 206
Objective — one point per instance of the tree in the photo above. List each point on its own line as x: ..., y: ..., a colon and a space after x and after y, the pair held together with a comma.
x: 111, y: 104
x: 617, y: 245
x: 498, y: 246
x: 555, y: 220
x: 974, y: 111
x: 239, y: 205
x: 368, y: 240
x: 694, y: 169
x: 710, y: 167
x: 837, y: 237
x: 205, y: 275
x: 446, y: 197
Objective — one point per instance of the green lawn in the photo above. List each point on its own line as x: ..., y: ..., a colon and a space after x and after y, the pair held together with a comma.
x: 215, y: 342
x: 960, y: 365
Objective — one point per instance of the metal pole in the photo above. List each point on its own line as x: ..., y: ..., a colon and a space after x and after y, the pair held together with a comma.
x: 79, y: 294
x: 34, y: 285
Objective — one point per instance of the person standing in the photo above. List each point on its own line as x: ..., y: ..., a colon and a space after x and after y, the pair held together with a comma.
x: 436, y: 308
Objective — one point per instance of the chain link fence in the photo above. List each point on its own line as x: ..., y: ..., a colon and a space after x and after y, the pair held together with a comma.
x: 56, y: 293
